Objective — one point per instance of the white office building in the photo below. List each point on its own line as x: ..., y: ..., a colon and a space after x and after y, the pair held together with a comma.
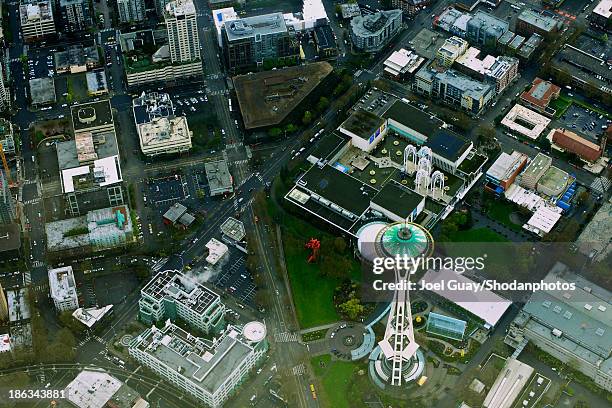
x: 210, y: 371
x: 171, y: 295
x: 182, y: 27
x: 63, y: 289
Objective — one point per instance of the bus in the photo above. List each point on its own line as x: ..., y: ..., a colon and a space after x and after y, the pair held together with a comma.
x: 230, y: 104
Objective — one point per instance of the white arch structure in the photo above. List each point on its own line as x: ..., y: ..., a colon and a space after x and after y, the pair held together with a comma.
x: 437, y: 179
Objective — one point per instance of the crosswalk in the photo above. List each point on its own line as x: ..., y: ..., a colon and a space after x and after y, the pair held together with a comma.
x: 285, y: 337
x: 27, y: 278
x: 601, y: 185
x: 92, y: 338
x: 32, y: 201
x: 42, y: 288
x: 299, y: 369
x: 243, y: 161
x: 37, y: 264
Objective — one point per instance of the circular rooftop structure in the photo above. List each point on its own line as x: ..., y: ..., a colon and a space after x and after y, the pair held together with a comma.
x: 366, y: 239
x: 254, y: 331
x: 404, y: 239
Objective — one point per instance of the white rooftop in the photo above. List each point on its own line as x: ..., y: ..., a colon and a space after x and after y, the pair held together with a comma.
x: 543, y: 220
x: 19, y: 308
x: 92, y: 389
x: 216, y: 251
x: 92, y: 315
x: 402, y: 61
x: 5, y: 343
x: 180, y: 8
x: 106, y: 169
x: 61, y: 283
x: 508, y: 385
x: 537, y: 123
x: 604, y: 8
x: 505, y: 165
x: 525, y: 198
x: 485, y: 304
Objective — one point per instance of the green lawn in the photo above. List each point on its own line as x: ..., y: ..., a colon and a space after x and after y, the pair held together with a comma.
x: 477, y: 235
x: 312, y: 293
x: 500, y: 211
x: 336, y: 376
x: 560, y: 105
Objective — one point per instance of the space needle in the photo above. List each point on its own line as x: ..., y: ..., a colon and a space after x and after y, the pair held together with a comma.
x: 397, y: 359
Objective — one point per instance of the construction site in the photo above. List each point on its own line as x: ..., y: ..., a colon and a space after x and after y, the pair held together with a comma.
x: 266, y: 98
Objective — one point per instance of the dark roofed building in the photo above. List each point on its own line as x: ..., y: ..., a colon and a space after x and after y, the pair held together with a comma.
x: 10, y: 241
x: 325, y: 41
x: 448, y: 148
x: 398, y: 203
x: 411, y: 122
x: 365, y: 128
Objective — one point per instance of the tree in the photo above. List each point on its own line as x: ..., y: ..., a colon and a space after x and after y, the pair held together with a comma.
x: 323, y: 104
x: 352, y: 308
x: 70, y: 322
x: 307, y: 118
x: 275, y: 132
x: 291, y: 128
x: 486, y: 134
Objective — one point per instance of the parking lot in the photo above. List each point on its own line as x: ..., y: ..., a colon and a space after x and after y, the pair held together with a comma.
x: 600, y: 49
x: 584, y: 122
x: 184, y: 104
x: 165, y: 191
x: 236, y: 280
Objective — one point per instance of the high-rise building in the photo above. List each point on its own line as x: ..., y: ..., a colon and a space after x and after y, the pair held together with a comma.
x: 251, y: 41
x: 372, y: 32
x: 76, y: 14
x: 5, y: 94
x: 7, y: 139
x: 171, y: 295
x: 7, y: 204
x: 63, y: 289
x: 4, y: 312
x: 182, y: 27
x: 131, y: 10
x: 209, y: 370
x: 36, y: 19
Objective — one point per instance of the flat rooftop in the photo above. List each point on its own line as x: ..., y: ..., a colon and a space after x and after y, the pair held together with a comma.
x: 42, y: 90
x: 218, y: 175
x: 508, y: 385
x: 362, y: 123
x: 540, y: 20
x: 582, y: 315
x: 447, y: 144
x: 604, y: 8
x: 266, y: 98
x: 10, y: 237
x: 339, y: 188
x: 182, y: 289
x: 413, y: 118
x: 528, y: 123
x: 506, y: 164
x: 18, y: 305
x: 91, y: 115
x: 397, y: 199
x: 264, y: 24
x: 205, y: 363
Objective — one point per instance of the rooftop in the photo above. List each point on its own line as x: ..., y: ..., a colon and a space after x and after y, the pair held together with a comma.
x: 264, y: 24
x: 234, y: 229
x: 373, y: 24
x: 35, y: 11
x: 207, y: 364
x: 604, y: 8
x: 10, y: 237
x: 61, y: 283
x: 42, y: 90
x: 96, y: 82
x: 162, y: 132
x: 90, y: 316
x: 508, y: 385
x: 402, y: 61
x: 543, y: 21
x: 448, y: 144
x: 91, y: 115
x: 175, y: 212
x: 325, y: 37
x: 506, y: 165
x: 541, y: 93
x: 362, y: 123
x: 398, y: 199
x: 218, y: 175
x: 525, y: 121
x: 582, y: 315
x: 178, y: 8
x: 470, y: 87
x: 18, y: 305
x: 339, y: 188
x: 95, y: 389
x: 413, y: 118
x: 181, y: 289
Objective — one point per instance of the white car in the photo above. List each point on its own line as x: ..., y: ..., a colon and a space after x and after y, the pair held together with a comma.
x: 223, y: 131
